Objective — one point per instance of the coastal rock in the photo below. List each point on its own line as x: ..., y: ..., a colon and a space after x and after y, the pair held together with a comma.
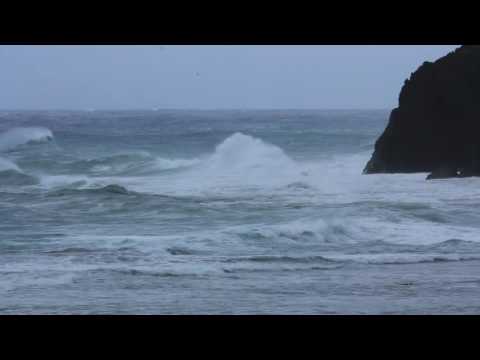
x: 443, y: 173
x: 436, y: 127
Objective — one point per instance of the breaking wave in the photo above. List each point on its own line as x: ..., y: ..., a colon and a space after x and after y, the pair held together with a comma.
x: 241, y: 156
x: 243, y: 152
x: 317, y: 231
x: 240, y: 160
x: 6, y: 165
x: 12, y: 138
x: 11, y: 174
x: 243, y: 160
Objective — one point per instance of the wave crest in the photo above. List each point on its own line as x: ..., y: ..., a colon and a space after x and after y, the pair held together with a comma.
x: 12, y: 138
x: 244, y: 161
x: 11, y: 174
x: 244, y: 152
x: 6, y: 165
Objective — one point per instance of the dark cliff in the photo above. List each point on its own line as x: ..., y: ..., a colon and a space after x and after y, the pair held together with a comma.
x: 436, y: 127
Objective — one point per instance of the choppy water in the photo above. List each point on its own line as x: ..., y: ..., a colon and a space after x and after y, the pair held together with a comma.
x: 225, y: 212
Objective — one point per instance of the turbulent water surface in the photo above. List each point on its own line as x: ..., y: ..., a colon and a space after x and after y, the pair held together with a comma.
x: 225, y: 212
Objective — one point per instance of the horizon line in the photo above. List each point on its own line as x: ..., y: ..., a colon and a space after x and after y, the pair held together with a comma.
x: 193, y: 109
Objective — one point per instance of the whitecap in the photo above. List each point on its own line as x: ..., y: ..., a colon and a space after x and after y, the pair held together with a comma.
x: 23, y: 135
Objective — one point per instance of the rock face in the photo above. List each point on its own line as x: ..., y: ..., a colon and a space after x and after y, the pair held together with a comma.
x: 436, y: 127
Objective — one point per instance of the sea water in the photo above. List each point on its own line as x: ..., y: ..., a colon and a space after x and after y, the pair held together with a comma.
x: 225, y: 212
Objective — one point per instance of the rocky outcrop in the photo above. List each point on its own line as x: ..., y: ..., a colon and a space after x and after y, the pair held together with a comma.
x: 436, y: 127
x: 443, y: 173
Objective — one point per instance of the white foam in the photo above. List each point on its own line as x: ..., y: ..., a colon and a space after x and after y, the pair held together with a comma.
x: 23, y: 135
x: 240, y: 161
x: 306, y: 231
x: 170, y: 164
x: 241, y: 152
x: 245, y: 166
x: 55, y: 181
x: 6, y: 165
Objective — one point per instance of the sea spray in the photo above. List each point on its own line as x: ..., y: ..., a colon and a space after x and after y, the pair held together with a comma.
x: 23, y: 135
x: 243, y: 160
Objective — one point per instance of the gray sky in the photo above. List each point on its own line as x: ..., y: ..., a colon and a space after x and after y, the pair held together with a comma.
x: 240, y: 77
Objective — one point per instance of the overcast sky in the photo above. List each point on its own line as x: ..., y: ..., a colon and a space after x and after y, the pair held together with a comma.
x: 207, y: 77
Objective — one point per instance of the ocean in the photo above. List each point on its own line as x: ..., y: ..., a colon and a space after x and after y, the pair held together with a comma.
x: 225, y: 212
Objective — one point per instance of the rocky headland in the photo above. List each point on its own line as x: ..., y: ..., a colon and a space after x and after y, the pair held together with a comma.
x: 436, y: 127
